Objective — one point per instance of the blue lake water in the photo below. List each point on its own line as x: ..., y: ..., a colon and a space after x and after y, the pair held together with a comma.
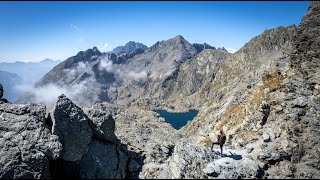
x: 177, y: 120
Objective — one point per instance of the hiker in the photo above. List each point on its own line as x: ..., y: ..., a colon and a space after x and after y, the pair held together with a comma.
x: 221, y: 141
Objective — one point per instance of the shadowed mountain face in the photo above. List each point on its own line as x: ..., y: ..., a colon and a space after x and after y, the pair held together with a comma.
x: 120, y: 78
x: 129, y: 47
x: 151, y: 73
x: 58, y: 72
x: 200, y: 47
x: 9, y: 82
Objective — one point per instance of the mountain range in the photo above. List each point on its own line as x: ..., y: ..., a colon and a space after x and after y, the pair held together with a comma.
x: 123, y: 77
x: 30, y: 72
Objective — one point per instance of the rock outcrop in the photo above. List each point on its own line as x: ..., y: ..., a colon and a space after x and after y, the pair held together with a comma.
x: 102, y: 123
x: 72, y: 126
x: 103, y: 161
x: 26, y: 146
x: 90, y: 148
x: 64, y: 143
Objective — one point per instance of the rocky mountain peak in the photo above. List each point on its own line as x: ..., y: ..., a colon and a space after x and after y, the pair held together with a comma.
x: 90, y: 52
x: 47, y: 60
x: 95, y: 49
x: 271, y: 44
x: 179, y: 37
x: 129, y: 47
x: 62, y: 99
x: 222, y: 49
x: 177, y: 41
x: 305, y: 56
x: 53, y: 76
x: 201, y: 47
x: 312, y: 14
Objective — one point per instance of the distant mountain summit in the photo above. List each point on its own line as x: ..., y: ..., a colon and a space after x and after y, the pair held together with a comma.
x: 30, y: 72
x: 9, y: 81
x: 47, y: 60
x: 129, y: 47
x: 201, y: 47
x: 58, y: 71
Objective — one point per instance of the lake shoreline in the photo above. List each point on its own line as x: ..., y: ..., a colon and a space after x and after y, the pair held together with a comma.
x: 177, y: 119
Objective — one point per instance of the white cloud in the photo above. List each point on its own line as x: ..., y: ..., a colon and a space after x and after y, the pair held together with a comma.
x: 103, y: 47
x: 45, y: 95
x: 138, y: 75
x: 78, y: 33
x: 105, y: 64
x: 81, y: 40
x: 85, y: 92
x: 232, y: 50
x: 75, y: 28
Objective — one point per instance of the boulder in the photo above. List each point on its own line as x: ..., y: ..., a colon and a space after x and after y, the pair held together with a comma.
x: 133, y: 166
x: 26, y: 146
x: 71, y: 124
x: 300, y: 102
x: 102, y: 123
x: 228, y: 168
x: 266, y: 137
x: 188, y: 160
x: 103, y: 161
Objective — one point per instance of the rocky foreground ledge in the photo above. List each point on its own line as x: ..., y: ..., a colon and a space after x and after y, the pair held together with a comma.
x: 65, y: 143
x: 88, y: 144
x: 76, y: 143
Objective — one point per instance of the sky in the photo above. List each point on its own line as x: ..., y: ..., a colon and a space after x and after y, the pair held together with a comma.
x: 33, y: 31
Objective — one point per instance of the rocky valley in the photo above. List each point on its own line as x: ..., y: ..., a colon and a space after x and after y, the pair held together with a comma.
x: 100, y: 123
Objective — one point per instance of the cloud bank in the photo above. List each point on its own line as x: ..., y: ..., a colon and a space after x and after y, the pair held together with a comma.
x: 232, y: 50
x: 82, y: 87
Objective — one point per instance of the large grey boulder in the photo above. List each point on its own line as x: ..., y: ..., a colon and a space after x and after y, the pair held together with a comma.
x: 189, y: 160
x: 228, y: 168
x: 184, y: 160
x: 90, y: 148
x: 103, y: 161
x: 71, y: 124
x: 26, y: 146
x: 102, y: 123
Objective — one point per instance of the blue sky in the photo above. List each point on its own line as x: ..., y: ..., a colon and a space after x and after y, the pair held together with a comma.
x: 32, y: 31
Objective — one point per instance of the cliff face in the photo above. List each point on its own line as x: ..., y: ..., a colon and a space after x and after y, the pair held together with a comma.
x: 266, y: 99
x: 67, y: 142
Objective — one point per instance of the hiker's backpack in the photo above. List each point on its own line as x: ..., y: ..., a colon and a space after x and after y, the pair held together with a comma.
x: 223, y: 138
